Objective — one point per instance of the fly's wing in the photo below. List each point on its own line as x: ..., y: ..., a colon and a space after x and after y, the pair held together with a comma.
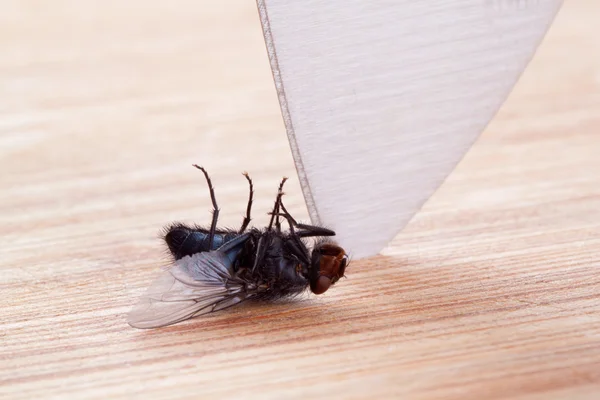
x: 194, y: 285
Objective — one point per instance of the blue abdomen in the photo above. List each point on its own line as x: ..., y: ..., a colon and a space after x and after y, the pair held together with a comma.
x: 184, y: 241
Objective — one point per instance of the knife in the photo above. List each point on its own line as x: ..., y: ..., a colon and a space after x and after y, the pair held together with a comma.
x: 381, y: 99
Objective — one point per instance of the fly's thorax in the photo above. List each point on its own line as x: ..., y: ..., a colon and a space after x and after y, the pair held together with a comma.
x: 269, y: 264
x: 282, y: 265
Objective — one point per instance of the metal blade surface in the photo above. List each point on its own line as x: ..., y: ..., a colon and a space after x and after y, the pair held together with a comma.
x: 381, y: 99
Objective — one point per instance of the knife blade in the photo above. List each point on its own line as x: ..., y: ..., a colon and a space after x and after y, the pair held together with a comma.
x: 382, y: 99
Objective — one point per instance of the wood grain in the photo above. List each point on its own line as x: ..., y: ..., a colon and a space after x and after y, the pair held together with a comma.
x: 492, y: 291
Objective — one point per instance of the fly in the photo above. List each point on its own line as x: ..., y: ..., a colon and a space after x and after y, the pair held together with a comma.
x: 215, y: 268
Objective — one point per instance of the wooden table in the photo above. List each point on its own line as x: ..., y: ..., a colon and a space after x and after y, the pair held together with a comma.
x: 492, y: 291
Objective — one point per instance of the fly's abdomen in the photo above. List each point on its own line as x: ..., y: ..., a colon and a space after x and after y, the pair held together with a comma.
x: 183, y: 241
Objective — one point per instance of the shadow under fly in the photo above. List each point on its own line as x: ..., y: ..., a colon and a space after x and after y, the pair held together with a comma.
x: 217, y: 268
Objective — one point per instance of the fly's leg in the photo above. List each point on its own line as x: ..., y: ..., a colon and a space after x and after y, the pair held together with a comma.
x: 275, y: 212
x: 247, y: 218
x: 213, y: 225
x: 279, y: 195
x: 260, y: 253
x: 296, y: 243
x: 304, y: 230
x: 297, y: 246
x: 277, y: 223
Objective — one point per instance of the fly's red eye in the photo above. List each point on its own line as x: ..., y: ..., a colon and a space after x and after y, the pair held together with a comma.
x: 323, y: 283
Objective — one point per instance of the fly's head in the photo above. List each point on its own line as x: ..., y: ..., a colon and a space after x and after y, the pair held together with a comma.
x: 328, y: 265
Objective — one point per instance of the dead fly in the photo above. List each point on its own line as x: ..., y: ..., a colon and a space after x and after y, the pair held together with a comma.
x: 217, y: 268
